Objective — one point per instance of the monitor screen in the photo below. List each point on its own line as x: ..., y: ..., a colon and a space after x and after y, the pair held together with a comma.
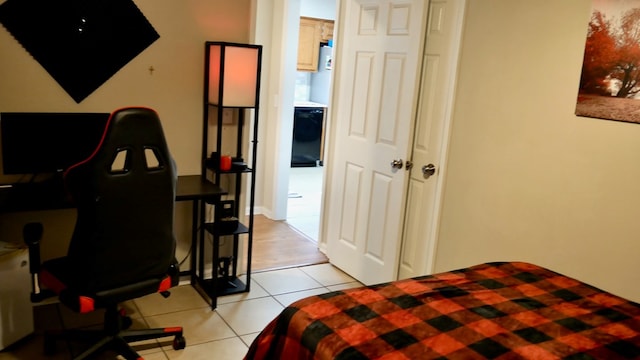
x: 39, y: 143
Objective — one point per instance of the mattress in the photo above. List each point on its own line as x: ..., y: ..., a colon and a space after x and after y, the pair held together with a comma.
x: 499, y: 310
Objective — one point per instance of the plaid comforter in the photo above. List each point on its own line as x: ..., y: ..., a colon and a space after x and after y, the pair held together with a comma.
x: 506, y: 310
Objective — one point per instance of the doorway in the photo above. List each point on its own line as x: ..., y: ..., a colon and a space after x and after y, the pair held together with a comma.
x: 277, y: 27
x: 277, y: 158
x: 311, y: 98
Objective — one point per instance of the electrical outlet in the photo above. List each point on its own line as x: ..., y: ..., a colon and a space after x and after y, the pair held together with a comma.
x: 227, y: 116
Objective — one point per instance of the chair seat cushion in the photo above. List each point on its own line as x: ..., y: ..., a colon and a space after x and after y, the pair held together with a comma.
x: 58, y: 276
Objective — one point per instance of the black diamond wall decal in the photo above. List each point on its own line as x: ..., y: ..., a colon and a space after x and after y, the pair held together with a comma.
x: 81, y: 43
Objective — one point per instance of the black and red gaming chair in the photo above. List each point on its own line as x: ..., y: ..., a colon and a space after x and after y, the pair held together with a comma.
x: 123, y: 244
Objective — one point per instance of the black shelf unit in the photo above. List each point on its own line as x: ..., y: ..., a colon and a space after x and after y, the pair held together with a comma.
x: 219, y: 70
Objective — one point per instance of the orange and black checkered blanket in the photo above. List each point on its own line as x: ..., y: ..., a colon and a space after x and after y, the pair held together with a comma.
x: 506, y: 310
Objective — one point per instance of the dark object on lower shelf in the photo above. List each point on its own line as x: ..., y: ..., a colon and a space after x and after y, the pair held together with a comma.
x: 224, y: 272
x: 227, y: 221
x: 228, y: 224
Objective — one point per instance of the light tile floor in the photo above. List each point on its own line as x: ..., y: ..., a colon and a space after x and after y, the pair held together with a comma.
x: 224, y: 333
x: 305, y: 196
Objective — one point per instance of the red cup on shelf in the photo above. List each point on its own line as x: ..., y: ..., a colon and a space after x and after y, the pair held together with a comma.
x: 225, y: 162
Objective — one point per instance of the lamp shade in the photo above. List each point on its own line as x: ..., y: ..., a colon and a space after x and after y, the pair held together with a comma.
x: 234, y: 74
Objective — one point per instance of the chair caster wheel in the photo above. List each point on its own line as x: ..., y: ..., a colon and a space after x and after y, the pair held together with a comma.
x: 179, y: 343
x: 126, y: 322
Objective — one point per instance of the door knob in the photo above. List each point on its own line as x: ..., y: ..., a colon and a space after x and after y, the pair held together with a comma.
x: 397, y: 164
x: 428, y: 170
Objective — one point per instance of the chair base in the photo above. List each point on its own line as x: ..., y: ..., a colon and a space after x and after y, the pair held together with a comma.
x: 113, y: 337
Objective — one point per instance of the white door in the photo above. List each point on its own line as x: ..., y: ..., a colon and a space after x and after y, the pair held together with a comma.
x: 439, y: 67
x: 378, y: 58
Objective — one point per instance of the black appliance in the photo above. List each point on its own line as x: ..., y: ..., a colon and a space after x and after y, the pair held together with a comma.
x: 307, y: 136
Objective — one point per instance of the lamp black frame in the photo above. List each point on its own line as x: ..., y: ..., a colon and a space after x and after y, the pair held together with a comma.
x: 213, y: 287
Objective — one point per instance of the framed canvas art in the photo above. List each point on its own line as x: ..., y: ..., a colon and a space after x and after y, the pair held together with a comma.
x: 610, y: 79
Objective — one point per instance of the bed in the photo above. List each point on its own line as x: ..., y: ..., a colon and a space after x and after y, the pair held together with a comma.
x: 500, y: 310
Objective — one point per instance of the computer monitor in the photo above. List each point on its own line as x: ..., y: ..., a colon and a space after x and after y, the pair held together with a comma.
x: 40, y: 143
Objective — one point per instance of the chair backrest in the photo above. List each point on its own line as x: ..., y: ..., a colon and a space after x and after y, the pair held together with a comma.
x: 125, y: 195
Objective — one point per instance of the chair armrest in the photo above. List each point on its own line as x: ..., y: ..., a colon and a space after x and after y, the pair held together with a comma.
x: 32, y: 234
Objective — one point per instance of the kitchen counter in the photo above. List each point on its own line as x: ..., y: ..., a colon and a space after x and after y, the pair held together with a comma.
x: 309, y: 104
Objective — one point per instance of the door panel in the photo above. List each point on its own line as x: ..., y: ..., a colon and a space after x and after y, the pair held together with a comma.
x: 377, y: 61
x: 361, y: 88
x: 353, y: 186
x: 391, y: 94
x: 430, y: 137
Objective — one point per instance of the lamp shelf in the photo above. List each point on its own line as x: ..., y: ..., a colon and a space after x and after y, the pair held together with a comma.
x: 235, y: 286
x: 213, y: 228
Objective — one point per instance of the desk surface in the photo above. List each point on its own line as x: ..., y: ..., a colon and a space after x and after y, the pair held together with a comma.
x: 193, y: 187
x: 51, y: 196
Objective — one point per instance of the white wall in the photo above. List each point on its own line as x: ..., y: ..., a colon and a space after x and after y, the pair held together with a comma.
x: 527, y: 179
x: 321, y: 9
x: 277, y: 24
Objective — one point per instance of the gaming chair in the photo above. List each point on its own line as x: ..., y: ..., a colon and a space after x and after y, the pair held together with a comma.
x: 123, y: 244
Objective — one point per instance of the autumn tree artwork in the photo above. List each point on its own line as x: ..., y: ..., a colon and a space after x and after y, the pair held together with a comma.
x: 610, y: 79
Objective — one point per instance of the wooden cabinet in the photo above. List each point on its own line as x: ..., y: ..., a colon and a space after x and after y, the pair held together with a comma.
x: 327, y: 31
x: 309, y: 44
x: 312, y: 32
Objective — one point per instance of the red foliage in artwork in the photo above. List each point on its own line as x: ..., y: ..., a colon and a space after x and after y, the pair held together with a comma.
x: 612, y: 56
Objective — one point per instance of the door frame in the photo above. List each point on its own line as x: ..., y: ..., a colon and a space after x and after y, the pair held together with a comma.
x: 275, y: 23
x: 431, y: 238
